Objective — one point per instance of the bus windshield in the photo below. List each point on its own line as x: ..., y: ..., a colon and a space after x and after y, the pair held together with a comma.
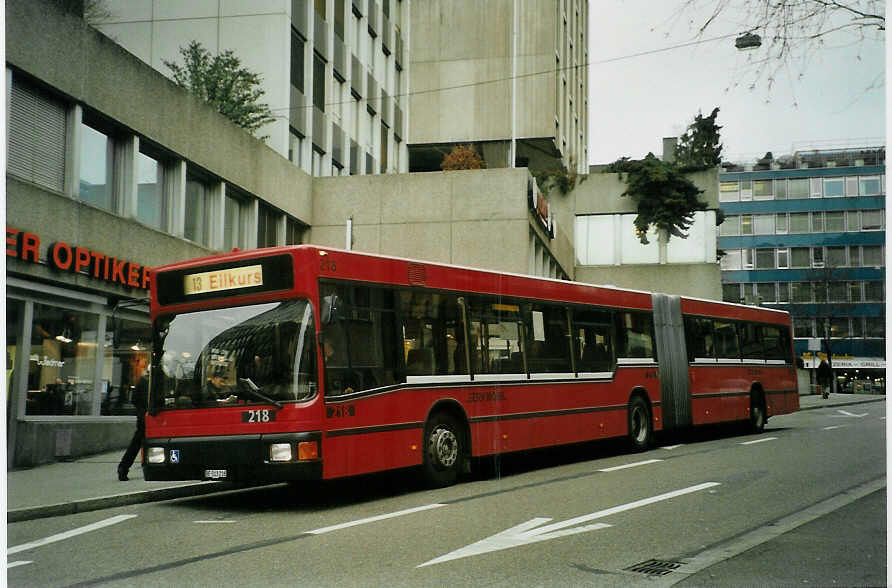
x: 257, y: 354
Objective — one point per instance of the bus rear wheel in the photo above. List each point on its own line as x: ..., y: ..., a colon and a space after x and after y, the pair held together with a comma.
x: 443, y: 451
x: 640, y: 425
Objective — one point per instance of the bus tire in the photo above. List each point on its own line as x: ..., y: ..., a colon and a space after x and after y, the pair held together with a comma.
x: 443, y: 450
x: 757, y: 415
x: 640, y: 424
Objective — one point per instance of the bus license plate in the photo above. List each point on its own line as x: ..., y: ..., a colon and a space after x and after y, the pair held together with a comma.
x: 214, y: 474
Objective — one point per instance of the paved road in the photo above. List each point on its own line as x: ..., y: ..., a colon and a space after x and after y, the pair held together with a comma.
x: 714, y: 507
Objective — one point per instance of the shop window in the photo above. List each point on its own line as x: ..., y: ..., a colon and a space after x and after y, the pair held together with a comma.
x: 36, y: 136
x: 150, y: 201
x: 97, y: 156
x: 14, y: 310
x: 62, y: 363
x: 196, y: 225
x: 126, y: 357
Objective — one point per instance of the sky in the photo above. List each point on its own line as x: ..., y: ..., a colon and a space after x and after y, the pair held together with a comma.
x: 635, y: 101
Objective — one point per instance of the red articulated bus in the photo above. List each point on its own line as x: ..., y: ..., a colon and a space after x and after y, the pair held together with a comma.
x: 306, y: 362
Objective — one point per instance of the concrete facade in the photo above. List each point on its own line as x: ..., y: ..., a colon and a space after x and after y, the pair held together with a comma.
x: 687, y: 267
x: 483, y: 73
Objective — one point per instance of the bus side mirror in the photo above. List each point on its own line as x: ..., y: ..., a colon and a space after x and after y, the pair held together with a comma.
x: 330, y: 306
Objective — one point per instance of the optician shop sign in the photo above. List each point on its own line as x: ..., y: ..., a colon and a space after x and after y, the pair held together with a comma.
x: 79, y: 260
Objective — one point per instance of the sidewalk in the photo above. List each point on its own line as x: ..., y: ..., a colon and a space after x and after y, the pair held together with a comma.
x: 91, y: 483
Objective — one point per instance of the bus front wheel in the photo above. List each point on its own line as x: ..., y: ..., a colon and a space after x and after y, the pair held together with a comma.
x: 640, y: 425
x: 443, y: 450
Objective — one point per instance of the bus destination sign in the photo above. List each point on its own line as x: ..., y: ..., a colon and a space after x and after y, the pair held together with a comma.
x: 223, y: 279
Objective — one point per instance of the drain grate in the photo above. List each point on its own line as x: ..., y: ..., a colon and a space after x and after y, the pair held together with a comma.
x: 655, y: 567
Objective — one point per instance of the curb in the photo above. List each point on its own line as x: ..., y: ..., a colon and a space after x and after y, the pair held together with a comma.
x: 850, y: 403
x: 102, y: 502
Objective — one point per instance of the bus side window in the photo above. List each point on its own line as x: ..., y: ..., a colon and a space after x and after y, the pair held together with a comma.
x: 699, y: 338
x: 750, y: 341
x: 432, y: 333
x: 726, y: 344
x: 547, y: 339
x: 634, y: 332
x: 593, y: 343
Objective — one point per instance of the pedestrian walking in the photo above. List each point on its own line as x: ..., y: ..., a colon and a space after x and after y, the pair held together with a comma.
x: 825, y: 378
x: 140, y: 401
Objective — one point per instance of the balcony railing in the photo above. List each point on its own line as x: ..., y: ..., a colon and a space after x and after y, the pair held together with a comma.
x: 297, y: 113
x: 319, y: 129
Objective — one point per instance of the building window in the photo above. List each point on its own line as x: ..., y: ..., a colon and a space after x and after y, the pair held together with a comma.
x: 783, y: 292
x: 839, y: 327
x: 781, y: 224
x: 731, y: 260
x: 800, y: 257
x: 799, y: 188
x: 869, y: 186
x: 36, y: 137
x: 798, y: 222
x: 783, y: 258
x: 855, y: 291
x: 267, y: 223
x: 747, y: 258
x: 817, y: 223
x: 816, y: 187
x: 873, y: 292
x: 766, y: 292
x: 801, y: 291
x: 731, y: 226
x: 838, y: 292
x: 746, y: 190
x: 763, y: 224
x: 834, y: 222
x: 62, y: 366
x: 857, y: 327
x: 198, y: 210
x: 293, y: 232
x: 318, y: 82
x: 765, y: 259
x: 729, y: 191
x: 803, y: 328
x: 746, y: 224
x: 872, y: 256
x: 875, y: 327
x: 763, y: 189
x: 836, y: 257
x: 853, y: 221
x: 297, y: 61
x: 731, y: 293
x: 834, y: 187
x: 817, y: 257
x: 295, y: 147
x: 780, y: 189
x: 234, y: 219
x: 150, y: 202
x: 96, y: 155
x: 871, y: 220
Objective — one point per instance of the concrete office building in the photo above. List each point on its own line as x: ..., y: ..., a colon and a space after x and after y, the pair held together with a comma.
x: 332, y: 69
x: 507, y: 76
x: 806, y: 233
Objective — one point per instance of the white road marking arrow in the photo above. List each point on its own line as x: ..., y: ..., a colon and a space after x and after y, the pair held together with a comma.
x: 528, y: 532
x: 849, y: 414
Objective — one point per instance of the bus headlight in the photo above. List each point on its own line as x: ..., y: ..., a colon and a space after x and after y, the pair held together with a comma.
x: 280, y: 452
x: 155, y: 455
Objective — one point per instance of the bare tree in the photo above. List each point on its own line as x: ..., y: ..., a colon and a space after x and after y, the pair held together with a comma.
x: 791, y: 31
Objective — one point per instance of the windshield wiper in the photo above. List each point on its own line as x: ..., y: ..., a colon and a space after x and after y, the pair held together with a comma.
x: 256, y: 392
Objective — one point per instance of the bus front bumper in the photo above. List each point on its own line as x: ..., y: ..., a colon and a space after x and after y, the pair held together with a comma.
x: 234, y: 458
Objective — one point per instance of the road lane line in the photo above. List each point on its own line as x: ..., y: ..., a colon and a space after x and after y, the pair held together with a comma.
x: 15, y: 564
x: 69, y: 534
x: 834, y: 427
x: 759, y: 441
x: 374, y: 519
x: 630, y: 465
x: 673, y: 446
x: 214, y: 522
